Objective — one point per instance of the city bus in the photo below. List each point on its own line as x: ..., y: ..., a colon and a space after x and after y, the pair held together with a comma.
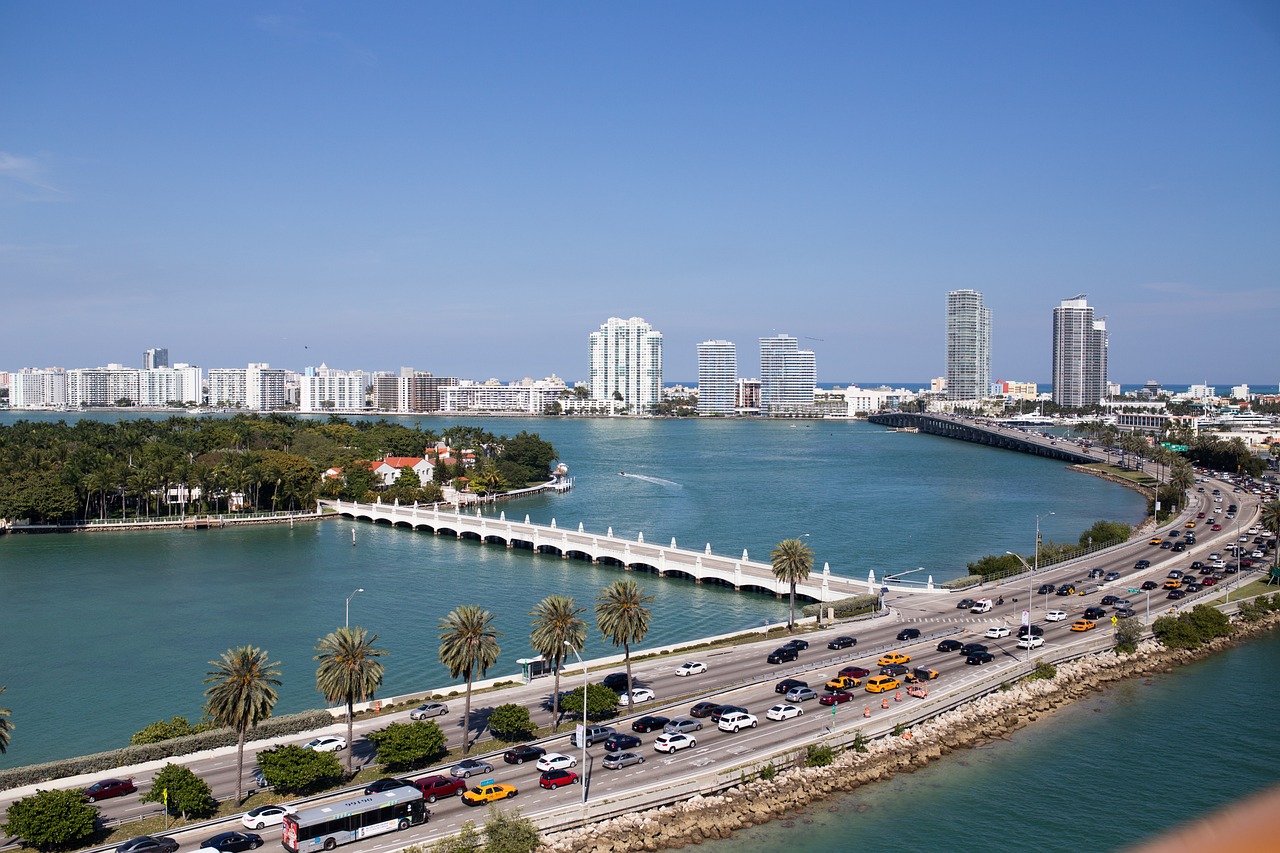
x: 325, y: 827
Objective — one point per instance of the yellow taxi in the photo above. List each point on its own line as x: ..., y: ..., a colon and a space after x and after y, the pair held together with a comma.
x: 1154, y: 540
x: 893, y: 657
x: 1173, y: 583
x: 843, y: 682
x: 1190, y: 525
x: 1083, y: 625
x: 488, y: 792
x: 882, y: 683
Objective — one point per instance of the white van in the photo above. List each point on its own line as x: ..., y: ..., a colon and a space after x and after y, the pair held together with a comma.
x: 982, y: 605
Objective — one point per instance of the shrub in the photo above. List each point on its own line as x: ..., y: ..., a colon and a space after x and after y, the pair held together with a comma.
x: 408, y: 746
x: 1128, y: 632
x: 509, y: 832
x: 768, y: 772
x: 169, y: 729
x: 51, y: 819
x: 511, y: 722
x: 855, y: 605
x: 819, y: 755
x: 182, y: 792
x: 292, y: 769
x: 1176, y: 632
x: 859, y: 743
x: 1044, y: 670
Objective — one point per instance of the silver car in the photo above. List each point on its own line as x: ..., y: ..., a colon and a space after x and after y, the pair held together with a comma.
x: 801, y: 694
x: 430, y: 709
x: 682, y: 725
x: 468, y: 767
x: 618, y: 760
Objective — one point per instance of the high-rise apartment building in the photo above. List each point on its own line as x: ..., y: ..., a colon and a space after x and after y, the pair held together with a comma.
x: 259, y: 387
x: 323, y: 389
x: 1079, y: 355
x: 32, y: 388
x: 626, y: 359
x: 155, y: 357
x: 717, y: 378
x: 968, y: 346
x: 788, y: 376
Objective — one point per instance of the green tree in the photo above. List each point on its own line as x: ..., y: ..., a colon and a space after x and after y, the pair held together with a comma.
x: 466, y: 841
x: 6, y: 726
x: 996, y: 566
x: 1175, y: 633
x: 602, y: 703
x: 1271, y: 521
x: 348, y: 672
x: 511, y: 722
x: 1128, y: 632
x: 557, y: 626
x: 409, y: 746
x: 48, y: 820
x: 242, y: 694
x: 468, y: 644
x: 292, y: 769
x: 187, y: 794
x: 792, y: 562
x: 1209, y: 622
x: 1105, y: 531
x: 623, y: 618
x: 509, y: 832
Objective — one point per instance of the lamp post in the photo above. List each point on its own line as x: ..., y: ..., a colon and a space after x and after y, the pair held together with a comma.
x: 348, y: 609
x: 582, y: 738
x: 1038, y: 520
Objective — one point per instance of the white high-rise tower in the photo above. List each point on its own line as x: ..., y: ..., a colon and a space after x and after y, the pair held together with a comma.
x: 1079, y: 355
x: 968, y: 346
x: 717, y: 377
x: 626, y: 360
x: 788, y: 376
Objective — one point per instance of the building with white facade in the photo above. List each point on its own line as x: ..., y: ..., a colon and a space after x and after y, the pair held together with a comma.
x: 258, y: 387
x: 788, y: 376
x: 717, y: 378
x: 182, y: 384
x: 1079, y: 355
x: 227, y: 388
x: 526, y: 396
x: 33, y: 388
x: 98, y: 387
x: 868, y: 401
x: 322, y: 389
x: 626, y: 360
x: 968, y: 346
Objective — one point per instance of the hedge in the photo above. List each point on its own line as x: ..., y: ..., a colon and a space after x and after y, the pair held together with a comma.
x: 844, y: 607
x: 273, y: 727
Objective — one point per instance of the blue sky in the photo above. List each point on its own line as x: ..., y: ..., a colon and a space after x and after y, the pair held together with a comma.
x: 472, y: 188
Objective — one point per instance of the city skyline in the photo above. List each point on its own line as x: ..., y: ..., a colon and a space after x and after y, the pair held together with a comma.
x: 245, y: 187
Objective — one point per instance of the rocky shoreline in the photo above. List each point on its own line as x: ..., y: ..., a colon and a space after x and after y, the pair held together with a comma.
x: 987, y: 718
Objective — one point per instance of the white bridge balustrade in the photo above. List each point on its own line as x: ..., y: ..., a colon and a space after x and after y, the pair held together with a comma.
x: 700, y: 566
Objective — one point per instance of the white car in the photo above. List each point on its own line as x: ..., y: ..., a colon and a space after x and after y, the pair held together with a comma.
x: 783, y: 712
x: 556, y: 761
x: 995, y: 632
x: 1032, y: 642
x: 263, y: 816
x: 328, y: 743
x: 737, y: 721
x: 1218, y: 564
x: 640, y: 694
x: 673, y: 742
x: 1055, y: 616
x: 692, y: 667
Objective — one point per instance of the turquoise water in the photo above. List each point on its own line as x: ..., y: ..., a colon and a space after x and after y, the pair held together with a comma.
x: 108, y: 632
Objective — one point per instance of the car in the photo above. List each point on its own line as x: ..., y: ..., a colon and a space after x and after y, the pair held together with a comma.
x: 1216, y: 527
x: 148, y: 844
x: 489, y: 792
x: 1196, y: 565
x: 615, y: 681
x: 909, y: 634
x: 435, y: 787
x: 106, y: 788
x: 893, y: 657
x: 1166, y: 545
x: 1189, y: 525
x: 1176, y: 594
x: 234, y: 842
x: 969, y: 648
x: 557, y: 779
x: 1176, y: 573
x: 1148, y: 585
x: 727, y: 709
x: 782, y: 655
x: 682, y: 725
x: 842, y: 682
x: 704, y: 709
x: 979, y: 658
x: 264, y: 816
x: 854, y: 672
x: 1193, y: 587
x: 1055, y: 615
x: 468, y: 767
x: 1046, y: 589
x: 837, y: 698
x: 801, y: 694
x: 964, y: 604
x: 692, y: 667
x: 592, y: 734
x: 673, y: 742
x: 1179, y: 546
x: 921, y: 673
x: 842, y: 643
x: 640, y: 694
x: 995, y: 632
x: 950, y: 646
x: 1109, y: 600
x: 1123, y: 602
x: 1094, y: 574
x: 1111, y: 576
x: 1209, y: 580
x: 619, y: 760
x: 619, y: 741
x: 894, y: 669
x: 386, y: 783
x: 1173, y: 583
x: 428, y: 710
x: 787, y: 683
x: 1125, y: 613
x: 1154, y: 540
x: 521, y: 754
x: 882, y: 684
x: 1219, y: 564
x: 560, y: 761
x: 327, y: 743
x: 1094, y: 612
x: 1199, y: 515
x: 649, y: 723
x: 1030, y: 631
x: 783, y: 712
x: 1142, y: 564
x: 737, y: 721
x: 798, y: 645
x: 1032, y: 642
x: 1067, y: 589
x: 1083, y: 625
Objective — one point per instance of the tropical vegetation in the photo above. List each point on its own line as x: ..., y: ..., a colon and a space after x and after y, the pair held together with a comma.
x: 241, y: 695
x: 181, y: 792
x: 468, y: 645
x: 408, y: 746
x: 623, y: 618
x: 792, y: 562
x: 292, y: 769
x: 558, y: 626
x: 50, y: 820
x: 349, y: 671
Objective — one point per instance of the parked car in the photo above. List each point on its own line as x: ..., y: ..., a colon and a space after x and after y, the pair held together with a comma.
x: 428, y: 710
x: 233, y: 842
x: 692, y: 667
x: 737, y: 721
x: 842, y: 643
x: 468, y: 767
x: 674, y: 742
x: 521, y: 754
x: 682, y: 725
x: 649, y: 723
x: 436, y: 787
x: 909, y: 634
x: 557, y: 779
x: 618, y: 742
x: 106, y: 788
x: 783, y: 712
x: 619, y: 760
x: 148, y: 844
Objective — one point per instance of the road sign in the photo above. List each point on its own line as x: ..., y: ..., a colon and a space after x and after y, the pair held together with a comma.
x: 1134, y: 591
x: 1115, y: 620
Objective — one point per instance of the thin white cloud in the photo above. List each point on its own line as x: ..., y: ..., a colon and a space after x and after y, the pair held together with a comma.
x: 25, y: 175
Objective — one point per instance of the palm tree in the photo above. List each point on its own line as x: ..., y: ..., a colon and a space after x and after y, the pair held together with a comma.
x: 557, y: 621
x: 468, y: 643
x: 623, y: 618
x: 348, y: 672
x: 242, y: 695
x: 1271, y: 521
x: 792, y: 562
x: 1182, y: 477
x: 5, y: 728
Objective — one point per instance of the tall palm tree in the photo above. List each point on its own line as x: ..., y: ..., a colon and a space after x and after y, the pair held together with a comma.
x: 242, y: 695
x: 468, y: 643
x: 348, y: 672
x: 557, y: 620
x: 623, y: 618
x: 5, y: 728
x: 792, y: 562
x: 1271, y: 521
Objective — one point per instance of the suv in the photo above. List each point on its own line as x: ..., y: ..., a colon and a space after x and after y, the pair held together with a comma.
x: 593, y: 734
x: 736, y: 721
x: 435, y: 787
x: 786, y: 653
x: 788, y: 684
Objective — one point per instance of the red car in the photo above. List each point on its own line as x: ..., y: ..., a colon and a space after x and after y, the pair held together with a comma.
x: 1199, y: 515
x: 1216, y: 527
x: 557, y: 778
x: 435, y: 787
x: 1208, y: 581
x: 837, y: 698
x: 106, y: 788
x: 854, y: 672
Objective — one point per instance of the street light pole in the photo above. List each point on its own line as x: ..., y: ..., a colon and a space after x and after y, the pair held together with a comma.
x: 1038, y: 519
x: 582, y: 739
x: 347, y: 620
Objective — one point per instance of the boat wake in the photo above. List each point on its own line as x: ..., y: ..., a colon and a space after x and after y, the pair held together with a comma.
x: 648, y: 479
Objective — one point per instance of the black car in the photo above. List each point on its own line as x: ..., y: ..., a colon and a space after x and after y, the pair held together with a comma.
x: 894, y: 669
x: 615, y: 681
x: 950, y: 646
x: 787, y: 683
x: 1150, y: 585
x: 1175, y: 594
x: 971, y: 648
x: 649, y: 723
x: 784, y: 654
x: 1109, y: 600
x: 979, y: 658
x: 965, y: 604
x: 842, y: 643
x: 521, y: 754
x: 726, y: 709
x: 704, y: 709
x: 386, y: 783
x: 1095, y: 612
x: 1179, y: 546
x: 1096, y: 573
x: 618, y: 741
x: 1142, y: 564
x: 1067, y: 589
x: 1030, y: 630
x: 1166, y: 544
x: 1194, y: 587
x: 798, y: 645
x: 1046, y: 589
x: 909, y: 634
x: 148, y: 844
x: 1196, y: 565
x: 236, y: 842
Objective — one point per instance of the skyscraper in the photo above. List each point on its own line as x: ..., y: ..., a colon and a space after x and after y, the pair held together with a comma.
x: 788, y: 376
x: 626, y: 359
x: 717, y: 377
x: 1079, y: 355
x: 968, y: 346
x: 155, y: 357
